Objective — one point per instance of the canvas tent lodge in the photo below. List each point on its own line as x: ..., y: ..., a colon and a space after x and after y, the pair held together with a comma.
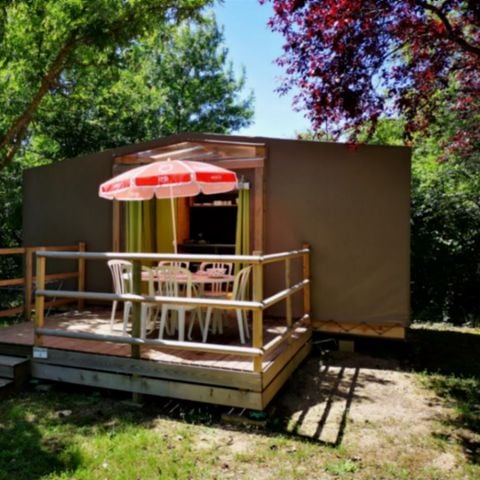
x: 351, y: 205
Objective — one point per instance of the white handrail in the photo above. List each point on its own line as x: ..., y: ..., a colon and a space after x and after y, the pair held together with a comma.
x: 130, y: 297
x: 156, y: 257
x: 253, y: 259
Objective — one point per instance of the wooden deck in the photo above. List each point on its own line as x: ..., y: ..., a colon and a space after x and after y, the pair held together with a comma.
x: 203, y: 376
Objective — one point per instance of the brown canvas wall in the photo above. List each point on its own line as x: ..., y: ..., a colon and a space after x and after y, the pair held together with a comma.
x: 352, y: 206
x: 61, y: 207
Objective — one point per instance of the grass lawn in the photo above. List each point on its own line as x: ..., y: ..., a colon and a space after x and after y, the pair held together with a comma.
x: 64, y: 435
x: 432, y: 432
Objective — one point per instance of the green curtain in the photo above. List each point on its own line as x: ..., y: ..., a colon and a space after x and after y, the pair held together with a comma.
x: 133, y: 221
x: 242, y: 237
x: 164, y: 227
x: 149, y: 226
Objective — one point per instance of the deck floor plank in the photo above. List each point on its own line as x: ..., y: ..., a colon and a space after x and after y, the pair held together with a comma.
x: 98, y: 321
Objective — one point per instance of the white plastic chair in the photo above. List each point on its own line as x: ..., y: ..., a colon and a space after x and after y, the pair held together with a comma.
x: 172, y: 287
x: 204, y: 266
x: 149, y: 311
x: 240, y: 285
x: 172, y: 263
x: 218, y: 290
x: 121, y: 275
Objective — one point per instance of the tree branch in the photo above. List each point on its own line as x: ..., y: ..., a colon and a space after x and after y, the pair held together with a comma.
x: 452, y: 34
x: 12, y: 140
x: 16, y: 132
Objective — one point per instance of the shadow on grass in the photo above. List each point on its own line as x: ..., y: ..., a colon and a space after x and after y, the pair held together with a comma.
x: 315, y: 403
x: 25, y: 454
x: 444, y: 351
x: 337, y: 391
x: 450, y: 361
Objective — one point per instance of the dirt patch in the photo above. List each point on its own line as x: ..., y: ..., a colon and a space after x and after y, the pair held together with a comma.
x: 234, y: 442
x: 380, y: 414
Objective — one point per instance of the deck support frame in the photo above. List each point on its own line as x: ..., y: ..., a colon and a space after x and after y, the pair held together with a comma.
x: 243, y: 389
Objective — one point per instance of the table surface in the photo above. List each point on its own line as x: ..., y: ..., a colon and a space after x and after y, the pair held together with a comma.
x: 197, y: 278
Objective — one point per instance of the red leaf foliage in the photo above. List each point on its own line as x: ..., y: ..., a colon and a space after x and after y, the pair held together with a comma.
x: 355, y: 60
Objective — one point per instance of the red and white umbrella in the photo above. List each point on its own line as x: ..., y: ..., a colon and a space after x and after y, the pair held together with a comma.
x: 169, y: 179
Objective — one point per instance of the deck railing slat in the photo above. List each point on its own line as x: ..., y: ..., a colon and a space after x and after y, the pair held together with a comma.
x: 199, y: 301
x: 28, y: 279
x: 283, y: 294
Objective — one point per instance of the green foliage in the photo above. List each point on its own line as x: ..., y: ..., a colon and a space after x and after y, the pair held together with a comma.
x: 92, y: 75
x: 463, y: 394
x: 131, y: 71
x: 445, y: 244
x: 11, y: 211
x: 446, y: 219
x: 449, y: 361
x: 41, y: 39
x: 444, y: 349
x: 152, y: 88
x: 341, y: 468
x: 10, y: 232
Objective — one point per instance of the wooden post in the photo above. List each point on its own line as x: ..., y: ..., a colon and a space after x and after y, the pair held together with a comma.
x: 136, y: 289
x: 306, y: 274
x: 288, y: 300
x: 28, y: 276
x: 39, y: 299
x: 257, y: 324
x: 81, y: 276
x: 258, y: 214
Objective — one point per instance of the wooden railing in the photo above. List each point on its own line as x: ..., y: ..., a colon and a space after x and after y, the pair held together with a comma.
x: 29, y: 279
x: 257, y: 305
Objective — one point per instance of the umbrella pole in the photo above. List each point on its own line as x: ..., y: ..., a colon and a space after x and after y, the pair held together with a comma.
x: 174, y: 227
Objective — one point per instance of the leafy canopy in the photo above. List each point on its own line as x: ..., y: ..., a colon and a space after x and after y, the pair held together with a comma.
x: 39, y: 39
x: 154, y: 87
x: 355, y: 61
x: 73, y: 80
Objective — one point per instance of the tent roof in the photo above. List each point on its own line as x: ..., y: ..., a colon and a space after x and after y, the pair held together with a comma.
x: 201, y: 147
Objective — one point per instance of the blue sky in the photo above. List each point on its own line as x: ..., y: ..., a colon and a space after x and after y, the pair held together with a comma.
x: 252, y: 44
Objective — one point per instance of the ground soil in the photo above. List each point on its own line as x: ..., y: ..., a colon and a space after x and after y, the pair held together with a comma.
x: 376, y: 411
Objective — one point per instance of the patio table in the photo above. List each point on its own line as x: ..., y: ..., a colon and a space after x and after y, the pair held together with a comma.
x: 201, y: 279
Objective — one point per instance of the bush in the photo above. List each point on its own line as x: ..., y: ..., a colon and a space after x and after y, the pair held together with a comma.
x: 446, y: 247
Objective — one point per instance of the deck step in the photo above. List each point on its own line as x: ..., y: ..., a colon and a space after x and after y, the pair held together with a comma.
x: 16, y: 369
x: 15, y: 350
x: 6, y: 386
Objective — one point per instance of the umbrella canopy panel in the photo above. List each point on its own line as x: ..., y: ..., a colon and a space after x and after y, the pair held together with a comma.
x: 169, y: 179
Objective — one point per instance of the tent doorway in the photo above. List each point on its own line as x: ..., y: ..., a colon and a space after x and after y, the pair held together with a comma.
x: 224, y: 223
x: 211, y: 224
